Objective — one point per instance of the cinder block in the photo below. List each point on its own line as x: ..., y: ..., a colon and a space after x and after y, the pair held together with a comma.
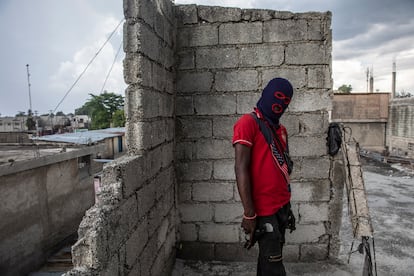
x: 296, y: 76
x: 311, y: 101
x: 241, y: 80
x: 218, y: 233
x: 206, y: 191
x: 284, y: 30
x: 317, y: 29
x: 159, y: 262
x: 192, y: 128
x: 224, y: 170
x: 194, y: 170
x: 90, y: 248
x: 311, y: 190
x: 320, y: 77
x: 187, y: 14
x: 306, y: 123
x: 240, y: 33
x: 309, y: 233
x: 113, y: 267
x: 209, y: 58
x: 143, y: 103
x: 204, y: 35
x: 162, y: 232
x: 184, y: 151
x: 290, y: 253
x: 236, y: 193
x: 307, y: 53
x: 160, y: 78
x: 246, y: 102
x: 164, y: 181
x: 140, y: 9
x: 184, y: 105
x: 148, y: 42
x: 262, y: 55
x: 157, y: 132
x: 146, y: 199
x: 130, y: 36
x: 188, y: 232
x: 190, y: 82
x: 299, y: 146
x: 313, y: 212
x: 257, y: 15
x: 196, y: 212
x: 312, y: 252
x: 138, y: 70
x: 147, y: 256
x: 186, y: 59
x: 314, y: 168
x: 215, y: 104
x: 170, y: 244
x: 213, y: 149
x: 223, y: 126
x: 184, y: 191
x: 219, y: 14
x: 228, y: 212
x: 136, y: 243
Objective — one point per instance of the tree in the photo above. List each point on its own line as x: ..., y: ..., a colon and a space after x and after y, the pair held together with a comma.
x: 118, y: 118
x: 345, y: 88
x: 21, y: 114
x: 30, y: 122
x: 101, y: 109
x: 60, y: 113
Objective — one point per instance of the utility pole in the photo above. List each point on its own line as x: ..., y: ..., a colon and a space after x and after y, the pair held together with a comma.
x: 28, y: 82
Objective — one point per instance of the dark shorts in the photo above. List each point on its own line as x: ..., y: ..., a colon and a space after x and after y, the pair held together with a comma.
x: 270, y: 261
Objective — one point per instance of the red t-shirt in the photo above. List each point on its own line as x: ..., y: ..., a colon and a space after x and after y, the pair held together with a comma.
x: 269, y: 188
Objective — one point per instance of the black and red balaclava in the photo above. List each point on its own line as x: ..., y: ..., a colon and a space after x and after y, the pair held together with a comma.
x: 275, y: 98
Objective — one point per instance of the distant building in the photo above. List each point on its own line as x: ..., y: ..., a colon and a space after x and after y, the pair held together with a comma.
x: 366, y: 114
x: 80, y: 121
x: 13, y: 124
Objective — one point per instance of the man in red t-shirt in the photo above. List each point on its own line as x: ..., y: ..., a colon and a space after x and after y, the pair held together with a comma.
x: 262, y: 175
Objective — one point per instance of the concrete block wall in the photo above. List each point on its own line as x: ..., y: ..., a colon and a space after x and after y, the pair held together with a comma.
x: 225, y: 58
x: 400, y: 126
x: 132, y: 231
x: 192, y: 71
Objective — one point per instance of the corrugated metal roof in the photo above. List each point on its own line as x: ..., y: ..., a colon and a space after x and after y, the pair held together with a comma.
x: 83, y: 138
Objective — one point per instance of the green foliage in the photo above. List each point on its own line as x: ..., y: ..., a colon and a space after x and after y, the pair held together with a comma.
x: 345, y: 88
x: 118, y: 118
x: 101, y: 108
x: 30, y: 122
x: 60, y: 113
x: 21, y: 114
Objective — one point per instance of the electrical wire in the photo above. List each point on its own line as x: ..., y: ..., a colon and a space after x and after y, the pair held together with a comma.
x: 112, y: 66
x: 87, y: 66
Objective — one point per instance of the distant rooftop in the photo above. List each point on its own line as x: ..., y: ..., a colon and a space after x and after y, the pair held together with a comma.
x: 84, y: 137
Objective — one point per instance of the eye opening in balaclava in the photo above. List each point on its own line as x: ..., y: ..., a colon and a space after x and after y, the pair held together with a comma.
x: 275, y: 99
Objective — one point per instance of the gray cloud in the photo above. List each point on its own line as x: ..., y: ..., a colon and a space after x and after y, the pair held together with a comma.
x: 46, y: 34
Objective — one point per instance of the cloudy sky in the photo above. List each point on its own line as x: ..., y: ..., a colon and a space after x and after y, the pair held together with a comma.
x: 59, y: 38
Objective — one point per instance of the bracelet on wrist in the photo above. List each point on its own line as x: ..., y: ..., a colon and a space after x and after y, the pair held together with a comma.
x: 252, y: 217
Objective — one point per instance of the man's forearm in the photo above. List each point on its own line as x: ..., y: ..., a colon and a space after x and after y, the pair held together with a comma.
x: 242, y: 169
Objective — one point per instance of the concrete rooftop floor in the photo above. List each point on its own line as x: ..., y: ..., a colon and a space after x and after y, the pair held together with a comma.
x: 390, y: 192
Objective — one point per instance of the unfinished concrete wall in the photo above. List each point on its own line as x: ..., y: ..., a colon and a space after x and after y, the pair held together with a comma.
x: 225, y: 58
x: 181, y: 106
x: 401, y: 127
x: 42, y: 202
x: 366, y: 114
x: 132, y: 230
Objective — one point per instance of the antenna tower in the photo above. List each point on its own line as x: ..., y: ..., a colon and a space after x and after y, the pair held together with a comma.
x: 28, y: 83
